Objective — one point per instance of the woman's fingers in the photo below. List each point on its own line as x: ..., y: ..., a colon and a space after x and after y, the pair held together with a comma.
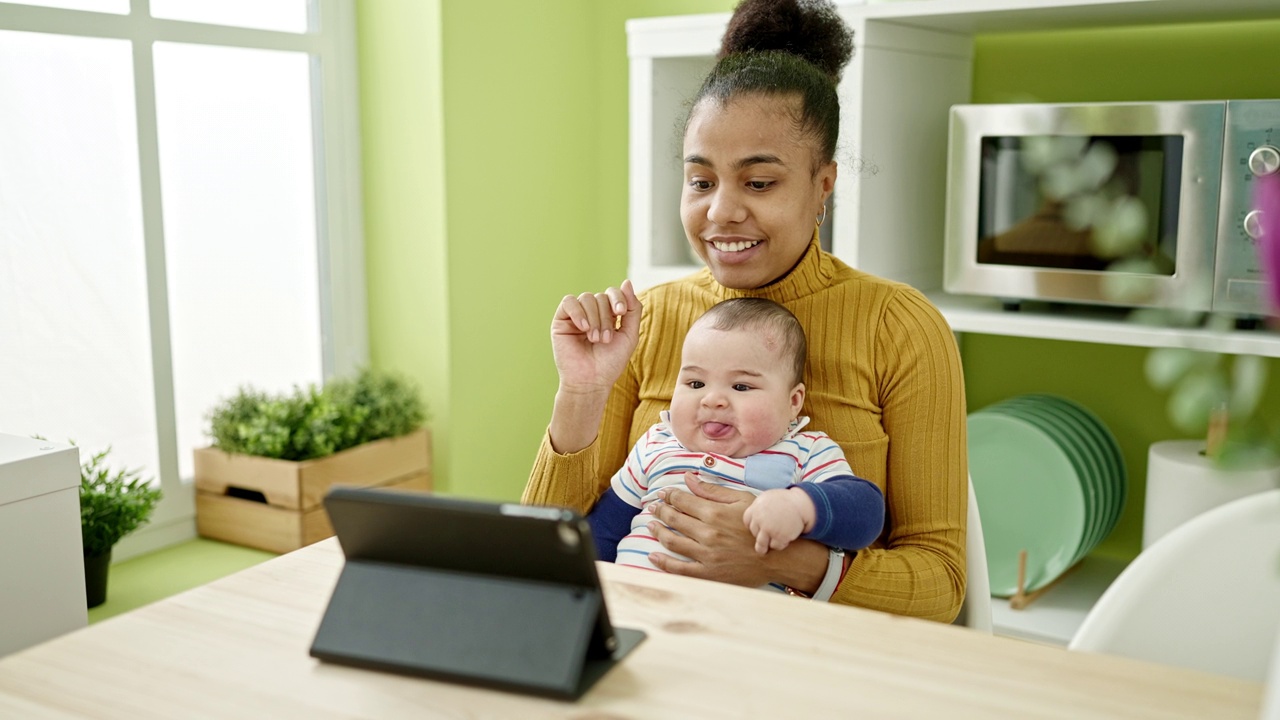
x: 715, y: 493
x: 591, y: 310
x: 617, y: 301
x: 676, y: 543
x: 595, y: 315
x: 571, y: 311
x: 705, y: 502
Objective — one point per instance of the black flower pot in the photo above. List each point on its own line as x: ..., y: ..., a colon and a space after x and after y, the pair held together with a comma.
x: 95, y: 577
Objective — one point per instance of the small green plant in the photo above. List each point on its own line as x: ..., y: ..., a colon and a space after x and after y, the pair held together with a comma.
x: 113, y: 503
x: 314, y: 422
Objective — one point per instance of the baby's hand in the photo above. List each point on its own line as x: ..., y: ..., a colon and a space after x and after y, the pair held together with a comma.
x: 779, y: 516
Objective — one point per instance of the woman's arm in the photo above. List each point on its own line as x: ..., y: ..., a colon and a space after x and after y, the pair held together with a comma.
x: 587, y: 437
x: 920, y: 571
x: 592, y: 338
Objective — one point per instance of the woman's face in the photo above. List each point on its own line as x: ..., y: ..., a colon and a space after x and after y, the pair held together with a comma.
x: 750, y: 197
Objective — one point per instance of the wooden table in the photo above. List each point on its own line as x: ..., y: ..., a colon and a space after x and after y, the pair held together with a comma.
x: 237, y: 648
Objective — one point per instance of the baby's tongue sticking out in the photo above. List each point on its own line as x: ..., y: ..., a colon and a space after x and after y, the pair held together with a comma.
x: 716, y: 430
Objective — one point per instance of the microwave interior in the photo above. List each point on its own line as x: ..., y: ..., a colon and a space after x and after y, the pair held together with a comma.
x: 1034, y: 211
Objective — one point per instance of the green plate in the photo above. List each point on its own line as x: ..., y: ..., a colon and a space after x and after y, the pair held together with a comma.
x: 1073, y: 438
x: 1115, y: 480
x: 1031, y: 499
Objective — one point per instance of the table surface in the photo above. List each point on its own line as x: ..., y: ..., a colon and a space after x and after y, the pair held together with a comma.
x: 238, y: 648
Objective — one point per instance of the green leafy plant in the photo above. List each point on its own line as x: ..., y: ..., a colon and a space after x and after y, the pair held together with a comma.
x: 113, y: 503
x: 314, y: 422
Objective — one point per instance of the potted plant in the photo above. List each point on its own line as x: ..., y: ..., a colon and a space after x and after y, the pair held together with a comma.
x: 113, y: 503
x: 274, y: 456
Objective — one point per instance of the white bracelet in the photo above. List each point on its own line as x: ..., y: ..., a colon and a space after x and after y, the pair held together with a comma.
x: 835, y: 571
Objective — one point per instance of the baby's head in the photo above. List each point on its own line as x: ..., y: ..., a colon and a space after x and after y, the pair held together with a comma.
x: 740, y: 385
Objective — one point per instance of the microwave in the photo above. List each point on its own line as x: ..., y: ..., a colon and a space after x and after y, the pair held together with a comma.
x: 1037, y: 195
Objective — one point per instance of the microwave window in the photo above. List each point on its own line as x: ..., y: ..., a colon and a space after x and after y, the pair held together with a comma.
x: 1080, y: 202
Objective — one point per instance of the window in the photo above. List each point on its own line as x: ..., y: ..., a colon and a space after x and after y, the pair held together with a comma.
x: 178, y: 217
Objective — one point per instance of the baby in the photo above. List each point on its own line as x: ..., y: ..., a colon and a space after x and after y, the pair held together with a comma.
x: 735, y: 420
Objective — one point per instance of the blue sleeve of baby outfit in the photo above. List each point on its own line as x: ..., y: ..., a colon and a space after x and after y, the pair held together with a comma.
x: 610, y: 521
x: 850, y: 512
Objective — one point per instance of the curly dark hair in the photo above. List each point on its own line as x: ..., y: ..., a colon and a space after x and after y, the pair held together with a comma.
x: 810, y: 29
x: 785, y: 47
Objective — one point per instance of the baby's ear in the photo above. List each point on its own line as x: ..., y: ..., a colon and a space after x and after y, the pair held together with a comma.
x: 797, y: 399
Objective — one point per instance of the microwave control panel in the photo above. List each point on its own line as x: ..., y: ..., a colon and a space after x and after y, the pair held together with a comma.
x: 1251, y: 150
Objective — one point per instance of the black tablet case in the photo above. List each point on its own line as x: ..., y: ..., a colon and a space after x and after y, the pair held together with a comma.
x: 504, y: 596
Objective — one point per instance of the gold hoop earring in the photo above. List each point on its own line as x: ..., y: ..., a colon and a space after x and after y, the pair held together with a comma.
x: 823, y: 217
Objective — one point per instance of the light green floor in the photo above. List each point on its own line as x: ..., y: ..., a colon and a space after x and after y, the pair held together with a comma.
x: 143, y: 580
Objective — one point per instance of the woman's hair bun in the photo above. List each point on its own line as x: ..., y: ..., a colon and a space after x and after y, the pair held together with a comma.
x: 811, y: 29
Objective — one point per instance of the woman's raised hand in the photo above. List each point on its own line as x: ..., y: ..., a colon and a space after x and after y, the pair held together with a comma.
x: 592, y: 337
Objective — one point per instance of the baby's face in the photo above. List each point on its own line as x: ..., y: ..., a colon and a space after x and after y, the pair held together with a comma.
x: 734, y: 395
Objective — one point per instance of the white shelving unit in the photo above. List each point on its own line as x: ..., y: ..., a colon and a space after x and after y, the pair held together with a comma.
x: 913, y: 60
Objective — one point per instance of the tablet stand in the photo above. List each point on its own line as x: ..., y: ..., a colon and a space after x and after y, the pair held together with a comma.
x: 529, y: 636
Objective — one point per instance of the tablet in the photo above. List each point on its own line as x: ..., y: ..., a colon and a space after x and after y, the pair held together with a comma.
x: 493, y: 594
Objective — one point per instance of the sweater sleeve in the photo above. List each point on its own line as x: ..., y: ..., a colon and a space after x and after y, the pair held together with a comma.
x: 849, y: 512
x: 920, y: 570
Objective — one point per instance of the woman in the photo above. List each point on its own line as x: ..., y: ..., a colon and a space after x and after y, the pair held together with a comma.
x: 883, y: 374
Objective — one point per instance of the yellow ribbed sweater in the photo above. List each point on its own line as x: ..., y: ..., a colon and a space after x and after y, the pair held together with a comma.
x: 883, y: 379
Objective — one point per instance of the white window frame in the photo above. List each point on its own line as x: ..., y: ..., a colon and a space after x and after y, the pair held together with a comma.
x: 330, y: 42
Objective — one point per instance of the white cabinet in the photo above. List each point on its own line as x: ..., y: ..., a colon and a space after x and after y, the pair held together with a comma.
x: 913, y: 60
x: 41, y: 556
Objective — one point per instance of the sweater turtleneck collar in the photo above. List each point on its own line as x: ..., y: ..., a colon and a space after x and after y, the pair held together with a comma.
x: 812, y: 274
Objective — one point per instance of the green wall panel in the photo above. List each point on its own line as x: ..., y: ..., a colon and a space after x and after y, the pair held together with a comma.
x: 402, y: 148
x: 1204, y: 61
x: 520, y: 149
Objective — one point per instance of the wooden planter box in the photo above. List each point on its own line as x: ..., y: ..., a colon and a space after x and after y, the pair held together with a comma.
x: 276, y: 505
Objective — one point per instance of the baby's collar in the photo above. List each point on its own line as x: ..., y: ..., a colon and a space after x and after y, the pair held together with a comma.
x: 800, y: 422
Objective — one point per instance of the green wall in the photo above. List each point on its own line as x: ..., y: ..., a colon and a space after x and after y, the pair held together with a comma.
x: 402, y: 148
x: 1180, y: 62
x: 519, y: 110
x: 520, y: 134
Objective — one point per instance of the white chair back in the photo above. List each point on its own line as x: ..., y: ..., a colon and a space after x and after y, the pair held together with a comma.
x: 975, y: 612
x: 1205, y: 596
x: 1271, y: 696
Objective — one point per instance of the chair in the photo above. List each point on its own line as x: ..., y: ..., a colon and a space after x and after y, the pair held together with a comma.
x: 1271, y: 697
x: 975, y: 612
x: 1204, y: 596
